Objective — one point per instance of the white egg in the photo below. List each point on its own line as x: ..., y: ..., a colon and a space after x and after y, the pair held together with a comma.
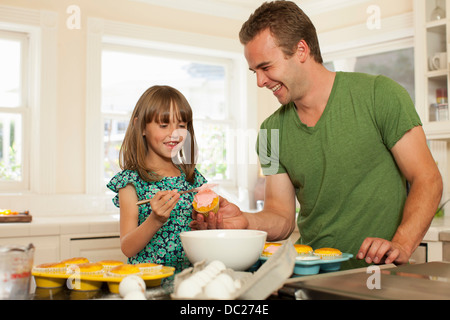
x: 188, y: 288
x: 217, y: 290
x: 201, y: 278
x: 227, y: 281
x: 131, y: 283
x: 218, y: 264
x: 211, y: 271
x: 135, y: 295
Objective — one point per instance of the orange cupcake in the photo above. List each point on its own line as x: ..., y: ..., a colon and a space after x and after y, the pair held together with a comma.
x: 303, y: 249
x: 85, y: 268
x: 124, y: 270
x: 109, y: 264
x: 270, y: 249
x: 148, y: 267
x: 77, y: 260
x: 206, y: 201
x: 327, y: 253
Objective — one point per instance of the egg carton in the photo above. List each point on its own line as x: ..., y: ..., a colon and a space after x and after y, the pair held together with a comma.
x: 247, y: 285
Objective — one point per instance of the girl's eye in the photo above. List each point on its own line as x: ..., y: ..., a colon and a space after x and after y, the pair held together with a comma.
x: 163, y: 125
x: 182, y: 125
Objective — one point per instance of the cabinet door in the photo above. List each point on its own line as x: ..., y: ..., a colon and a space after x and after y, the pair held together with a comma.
x: 46, y: 247
x: 94, y: 248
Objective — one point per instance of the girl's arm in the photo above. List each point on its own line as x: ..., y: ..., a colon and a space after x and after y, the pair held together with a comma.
x: 134, y: 238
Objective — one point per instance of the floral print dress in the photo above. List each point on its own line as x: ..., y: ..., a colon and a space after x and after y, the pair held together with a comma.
x: 165, y: 247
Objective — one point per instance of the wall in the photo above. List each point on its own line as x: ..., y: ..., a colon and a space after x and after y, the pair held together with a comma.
x: 71, y: 62
x: 71, y: 67
x: 332, y: 21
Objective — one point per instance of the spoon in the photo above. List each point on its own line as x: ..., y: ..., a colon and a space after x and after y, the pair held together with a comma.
x: 205, y: 186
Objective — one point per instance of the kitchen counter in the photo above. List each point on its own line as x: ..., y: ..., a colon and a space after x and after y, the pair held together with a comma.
x: 110, y: 223
x: 428, y: 281
x: 57, y: 225
x: 437, y: 226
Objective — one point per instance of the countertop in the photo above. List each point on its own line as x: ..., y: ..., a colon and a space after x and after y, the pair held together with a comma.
x: 57, y: 225
x: 102, y: 223
x: 438, y: 225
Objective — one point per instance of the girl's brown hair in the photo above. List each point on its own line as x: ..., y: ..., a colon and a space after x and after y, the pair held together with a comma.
x: 156, y: 104
x: 287, y: 23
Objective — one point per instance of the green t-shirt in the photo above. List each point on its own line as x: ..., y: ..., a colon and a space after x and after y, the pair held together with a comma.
x: 345, y: 177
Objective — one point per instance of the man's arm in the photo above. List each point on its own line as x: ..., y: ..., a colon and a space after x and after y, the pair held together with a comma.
x: 278, y: 215
x: 415, y: 161
x: 277, y: 218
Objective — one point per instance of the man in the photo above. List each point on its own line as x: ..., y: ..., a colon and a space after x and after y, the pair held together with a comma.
x: 344, y: 144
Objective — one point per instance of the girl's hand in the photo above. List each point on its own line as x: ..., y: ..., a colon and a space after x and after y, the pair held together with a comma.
x: 162, y: 204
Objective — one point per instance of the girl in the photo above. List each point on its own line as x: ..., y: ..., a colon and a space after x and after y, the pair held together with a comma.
x: 158, y: 160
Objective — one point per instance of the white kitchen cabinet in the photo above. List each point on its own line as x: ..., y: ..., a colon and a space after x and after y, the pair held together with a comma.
x: 94, y: 247
x: 46, y: 247
x: 432, y: 45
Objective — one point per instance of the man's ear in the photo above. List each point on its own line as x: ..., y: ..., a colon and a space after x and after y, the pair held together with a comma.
x: 302, y: 50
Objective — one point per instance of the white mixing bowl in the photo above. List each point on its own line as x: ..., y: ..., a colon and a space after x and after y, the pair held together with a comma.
x: 237, y: 249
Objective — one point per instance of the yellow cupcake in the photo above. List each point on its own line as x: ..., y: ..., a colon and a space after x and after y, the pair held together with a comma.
x: 270, y: 249
x: 85, y: 268
x: 148, y: 267
x: 109, y: 264
x: 55, y: 267
x: 206, y: 201
x: 77, y: 260
x: 327, y: 253
x: 124, y: 270
x: 303, y: 249
x: 49, y: 275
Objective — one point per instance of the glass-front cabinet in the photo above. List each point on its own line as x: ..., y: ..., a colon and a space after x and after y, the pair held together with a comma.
x: 432, y: 71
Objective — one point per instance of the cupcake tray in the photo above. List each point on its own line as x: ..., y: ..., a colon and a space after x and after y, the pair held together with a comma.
x: 309, y: 265
x: 90, y: 282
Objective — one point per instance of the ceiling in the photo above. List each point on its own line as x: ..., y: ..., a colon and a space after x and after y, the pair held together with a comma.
x: 241, y: 9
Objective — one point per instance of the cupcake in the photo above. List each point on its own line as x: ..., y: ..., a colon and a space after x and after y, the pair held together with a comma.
x: 53, y: 267
x: 148, y: 267
x: 77, y: 260
x: 124, y: 270
x: 270, y: 249
x: 109, y: 264
x: 49, y: 275
x: 85, y: 268
x: 82, y: 276
x: 303, y: 250
x: 206, y: 201
x: 327, y: 253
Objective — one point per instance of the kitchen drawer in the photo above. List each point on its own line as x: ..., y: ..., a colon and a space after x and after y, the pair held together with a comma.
x: 93, y: 247
x: 46, y: 247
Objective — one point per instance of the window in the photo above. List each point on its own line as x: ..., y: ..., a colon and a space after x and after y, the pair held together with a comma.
x: 13, y: 110
x: 396, y: 64
x: 128, y: 71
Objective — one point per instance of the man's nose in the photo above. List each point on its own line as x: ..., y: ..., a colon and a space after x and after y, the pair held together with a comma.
x: 261, y: 79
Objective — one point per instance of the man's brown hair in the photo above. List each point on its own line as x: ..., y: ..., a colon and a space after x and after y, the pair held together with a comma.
x: 288, y: 24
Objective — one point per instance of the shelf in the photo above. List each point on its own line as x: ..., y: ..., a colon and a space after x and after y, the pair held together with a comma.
x: 437, y: 130
x: 437, y: 74
x: 436, y: 24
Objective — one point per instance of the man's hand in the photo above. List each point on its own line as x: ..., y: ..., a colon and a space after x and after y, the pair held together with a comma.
x: 228, y: 217
x: 378, y: 251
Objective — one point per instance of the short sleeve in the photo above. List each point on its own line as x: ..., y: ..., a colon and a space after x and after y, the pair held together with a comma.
x: 395, y: 112
x: 126, y: 177
x: 268, y: 146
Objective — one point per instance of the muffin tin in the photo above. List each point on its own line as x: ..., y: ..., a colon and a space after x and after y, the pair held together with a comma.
x: 91, y: 282
x: 308, y: 265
